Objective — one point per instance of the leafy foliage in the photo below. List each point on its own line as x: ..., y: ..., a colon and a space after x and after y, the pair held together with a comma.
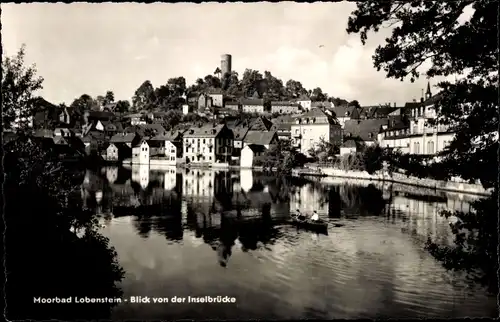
x: 18, y: 84
x: 52, y: 244
x: 432, y: 32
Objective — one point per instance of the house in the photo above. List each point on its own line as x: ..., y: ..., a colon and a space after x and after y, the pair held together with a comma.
x: 343, y: 113
x: 395, y: 135
x: 312, y: 127
x: 173, y: 146
x: 64, y: 117
x: 376, y: 112
x: 140, y: 152
x: 93, y: 141
x: 266, y: 139
x: 252, y: 105
x: 261, y: 123
x: 323, y: 105
x: 136, y: 119
x: 46, y: 115
x: 156, y: 145
x: 283, y: 125
x: 152, y: 129
x: 217, y: 97
x: 111, y: 128
x: 208, y: 144
x: 118, y: 152
x: 239, y: 133
x: 425, y: 139
x: 351, y: 146
x: 233, y: 105
x: 204, y: 102
x: 281, y: 107
x: 63, y: 132
x: 43, y: 133
x: 185, y: 109
x: 364, y: 130
x: 305, y: 102
x: 99, y: 116
x: 249, y: 154
x: 129, y: 139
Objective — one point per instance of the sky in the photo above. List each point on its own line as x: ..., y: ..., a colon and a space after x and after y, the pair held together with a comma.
x: 84, y: 48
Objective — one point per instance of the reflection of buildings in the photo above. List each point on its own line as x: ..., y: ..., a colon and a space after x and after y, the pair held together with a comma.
x: 420, y: 216
x: 170, y: 179
x: 246, y: 179
x: 112, y: 174
x: 309, y: 198
x: 204, y: 187
x: 140, y: 174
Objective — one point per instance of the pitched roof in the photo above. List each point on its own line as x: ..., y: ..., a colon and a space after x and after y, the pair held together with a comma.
x: 321, y: 104
x: 252, y: 101
x: 167, y: 136
x: 396, y: 122
x: 207, y: 131
x: 261, y: 123
x: 433, y: 99
x: 155, y: 127
x: 319, y: 113
x: 257, y: 148
x: 283, y: 103
x: 100, y: 115
x: 366, y: 130
x: 214, y: 91
x: 123, y: 138
x: 43, y: 133
x: 59, y: 140
x: 129, y: 116
x: 304, y: 97
x: 342, y: 110
x: 240, y: 132
x: 352, y: 143
x: 377, y: 111
x: 259, y: 137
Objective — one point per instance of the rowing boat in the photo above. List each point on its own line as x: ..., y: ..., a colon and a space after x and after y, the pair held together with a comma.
x: 315, y: 225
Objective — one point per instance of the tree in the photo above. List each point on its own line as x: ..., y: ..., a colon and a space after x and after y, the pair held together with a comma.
x: 354, y: 103
x: 109, y: 97
x: 431, y: 32
x: 143, y: 97
x: 294, y: 89
x: 273, y: 87
x: 78, y: 108
x: 211, y: 82
x: 101, y: 101
x: 251, y: 82
x: 18, y: 86
x: 317, y: 95
x: 217, y: 72
x: 122, y: 106
x: 54, y: 228
x: 177, y: 86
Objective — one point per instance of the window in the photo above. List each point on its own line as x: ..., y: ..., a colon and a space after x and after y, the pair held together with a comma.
x: 203, y: 141
x: 210, y: 158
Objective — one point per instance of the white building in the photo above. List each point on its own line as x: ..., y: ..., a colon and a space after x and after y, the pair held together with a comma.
x: 305, y: 102
x: 249, y: 153
x: 253, y: 105
x: 284, y: 107
x: 208, y: 144
x: 140, y: 153
x: 424, y: 138
x: 313, y: 126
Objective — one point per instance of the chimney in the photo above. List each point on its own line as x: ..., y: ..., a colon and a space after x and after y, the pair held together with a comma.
x: 414, y: 100
x: 394, y: 104
x: 421, y: 100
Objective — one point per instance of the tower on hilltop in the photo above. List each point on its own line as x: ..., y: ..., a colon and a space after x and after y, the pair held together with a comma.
x: 225, y: 64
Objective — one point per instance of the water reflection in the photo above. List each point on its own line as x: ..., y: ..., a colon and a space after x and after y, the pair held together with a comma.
x: 373, y: 266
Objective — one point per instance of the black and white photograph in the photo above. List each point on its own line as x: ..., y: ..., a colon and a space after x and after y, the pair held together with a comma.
x: 250, y: 160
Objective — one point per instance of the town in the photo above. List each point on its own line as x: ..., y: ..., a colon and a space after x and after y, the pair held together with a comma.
x: 237, y: 131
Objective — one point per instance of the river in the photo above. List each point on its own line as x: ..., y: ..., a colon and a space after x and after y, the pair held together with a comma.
x: 181, y: 233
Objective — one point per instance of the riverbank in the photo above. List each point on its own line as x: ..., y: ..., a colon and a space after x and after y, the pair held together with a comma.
x: 453, y: 186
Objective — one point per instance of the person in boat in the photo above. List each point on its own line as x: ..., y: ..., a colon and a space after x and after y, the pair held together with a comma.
x: 300, y: 216
x: 315, y: 216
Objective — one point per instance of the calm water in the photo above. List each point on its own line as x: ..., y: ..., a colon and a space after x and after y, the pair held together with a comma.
x: 194, y: 233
